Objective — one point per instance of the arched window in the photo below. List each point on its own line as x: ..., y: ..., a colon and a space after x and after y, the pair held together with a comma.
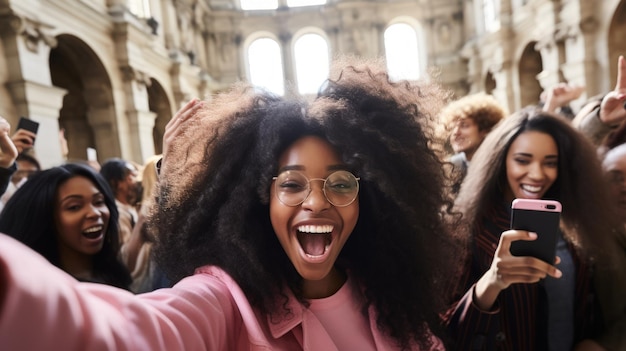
x: 140, y: 8
x: 401, y: 52
x: 265, y: 65
x: 297, y: 3
x: 312, y: 62
x: 491, y: 14
x: 259, y: 4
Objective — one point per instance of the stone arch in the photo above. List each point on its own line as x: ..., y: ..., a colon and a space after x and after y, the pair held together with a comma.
x: 88, y: 112
x: 530, y: 65
x: 159, y: 103
x: 616, y: 42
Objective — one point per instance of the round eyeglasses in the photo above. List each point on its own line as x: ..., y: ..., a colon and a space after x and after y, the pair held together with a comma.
x: 293, y: 187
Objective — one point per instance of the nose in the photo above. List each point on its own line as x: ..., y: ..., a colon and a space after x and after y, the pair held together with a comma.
x: 536, y: 171
x: 456, y: 130
x: 316, y: 201
x: 93, y: 212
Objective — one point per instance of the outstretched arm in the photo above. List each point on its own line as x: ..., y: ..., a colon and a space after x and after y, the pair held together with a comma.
x: 197, y: 314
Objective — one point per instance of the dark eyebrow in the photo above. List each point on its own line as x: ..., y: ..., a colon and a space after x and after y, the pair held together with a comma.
x: 290, y: 168
x: 80, y: 197
x: 70, y: 197
x: 339, y: 167
x: 531, y: 155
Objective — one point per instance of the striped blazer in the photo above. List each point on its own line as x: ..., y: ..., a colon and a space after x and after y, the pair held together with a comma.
x: 518, y: 320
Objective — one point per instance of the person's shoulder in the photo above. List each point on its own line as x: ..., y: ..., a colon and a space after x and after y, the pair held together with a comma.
x: 458, y: 160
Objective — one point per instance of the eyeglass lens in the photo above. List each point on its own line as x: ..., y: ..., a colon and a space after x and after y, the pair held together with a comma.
x: 340, y: 188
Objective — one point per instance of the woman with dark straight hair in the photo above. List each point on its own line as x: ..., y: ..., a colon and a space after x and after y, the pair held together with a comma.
x: 68, y: 215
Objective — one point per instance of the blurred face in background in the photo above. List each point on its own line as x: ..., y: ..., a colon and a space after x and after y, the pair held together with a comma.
x: 466, y: 137
x: 24, y: 170
x: 614, y: 166
x: 129, y: 186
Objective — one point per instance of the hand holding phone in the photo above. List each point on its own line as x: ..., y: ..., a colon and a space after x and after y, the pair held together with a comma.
x: 25, y: 133
x: 539, y: 216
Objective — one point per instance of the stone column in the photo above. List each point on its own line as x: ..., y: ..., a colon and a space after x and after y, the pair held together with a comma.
x: 42, y: 104
x: 549, y: 76
x: 140, y: 118
x: 288, y: 64
x: 475, y: 80
x: 27, y: 45
x: 503, y: 75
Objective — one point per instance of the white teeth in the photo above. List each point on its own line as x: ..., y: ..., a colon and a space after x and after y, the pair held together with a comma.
x: 93, y: 229
x: 530, y: 188
x: 316, y: 229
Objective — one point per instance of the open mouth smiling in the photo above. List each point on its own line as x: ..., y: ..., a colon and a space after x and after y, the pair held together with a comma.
x: 314, y: 240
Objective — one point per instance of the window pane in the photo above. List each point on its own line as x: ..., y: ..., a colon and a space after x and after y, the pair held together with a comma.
x: 140, y: 8
x: 259, y: 4
x: 491, y: 13
x: 296, y: 3
x: 266, y: 65
x: 311, y: 60
x: 401, y: 52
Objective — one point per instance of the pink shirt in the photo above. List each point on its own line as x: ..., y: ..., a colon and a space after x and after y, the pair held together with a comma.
x: 45, y: 308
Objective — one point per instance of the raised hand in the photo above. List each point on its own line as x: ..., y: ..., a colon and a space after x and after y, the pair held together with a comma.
x: 8, y: 151
x: 612, y: 109
x: 561, y: 95
x: 173, y: 127
x: 23, y: 140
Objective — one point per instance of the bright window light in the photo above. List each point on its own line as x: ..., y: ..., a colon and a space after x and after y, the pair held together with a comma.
x: 401, y: 49
x: 266, y: 65
x: 312, y: 62
x: 298, y: 3
x: 259, y: 4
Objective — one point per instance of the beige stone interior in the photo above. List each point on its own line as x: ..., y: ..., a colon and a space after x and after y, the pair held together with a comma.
x: 101, y: 72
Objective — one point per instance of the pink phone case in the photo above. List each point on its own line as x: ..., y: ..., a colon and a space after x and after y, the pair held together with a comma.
x: 539, y: 216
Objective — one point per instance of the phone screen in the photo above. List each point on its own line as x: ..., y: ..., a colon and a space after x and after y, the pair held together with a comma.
x: 539, y: 216
x: 92, y: 154
x: 27, y: 124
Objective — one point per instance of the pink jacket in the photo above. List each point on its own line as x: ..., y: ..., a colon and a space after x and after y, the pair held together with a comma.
x: 45, y: 308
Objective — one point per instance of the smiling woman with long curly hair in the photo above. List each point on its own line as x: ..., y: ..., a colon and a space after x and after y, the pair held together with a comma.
x: 291, y: 225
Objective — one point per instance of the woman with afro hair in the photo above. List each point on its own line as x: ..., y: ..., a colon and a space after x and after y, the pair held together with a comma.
x: 286, y: 225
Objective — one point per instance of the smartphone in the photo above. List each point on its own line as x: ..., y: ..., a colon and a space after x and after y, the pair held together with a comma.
x: 27, y: 124
x: 539, y: 216
x: 92, y: 154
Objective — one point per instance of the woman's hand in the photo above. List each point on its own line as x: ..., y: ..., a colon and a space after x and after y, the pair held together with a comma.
x: 612, y: 110
x: 561, y: 95
x: 23, y: 140
x: 172, y: 129
x: 507, y: 269
x: 8, y: 150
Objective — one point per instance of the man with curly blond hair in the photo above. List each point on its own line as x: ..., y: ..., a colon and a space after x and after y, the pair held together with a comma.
x: 469, y: 120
